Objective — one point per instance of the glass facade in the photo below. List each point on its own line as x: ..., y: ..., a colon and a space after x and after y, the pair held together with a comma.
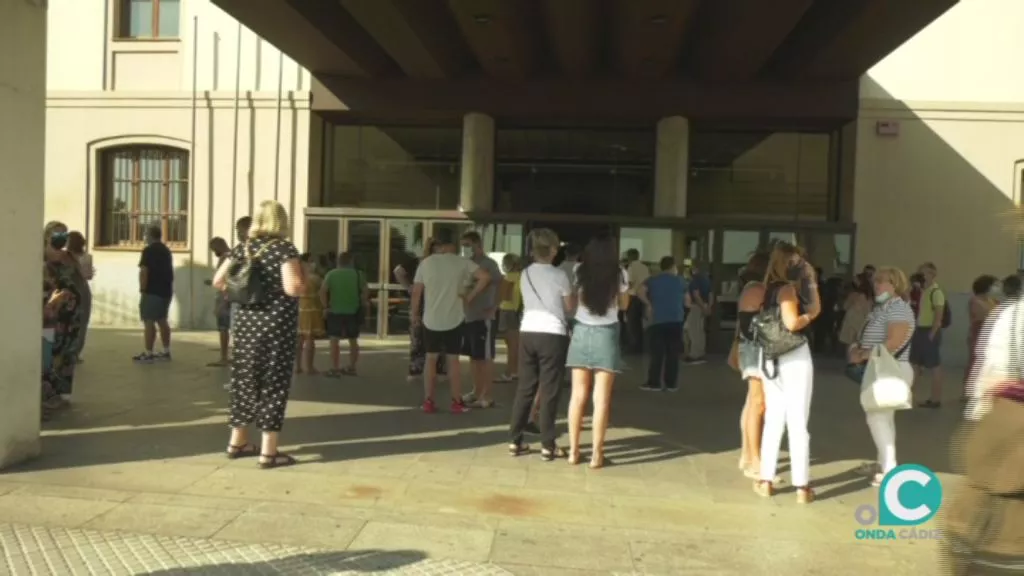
x: 778, y: 175
x: 574, y: 171
x: 391, y: 167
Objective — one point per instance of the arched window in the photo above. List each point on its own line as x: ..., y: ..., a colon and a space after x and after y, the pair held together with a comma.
x: 143, y: 186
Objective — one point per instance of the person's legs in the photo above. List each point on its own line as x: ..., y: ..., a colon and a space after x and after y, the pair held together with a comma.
x: 225, y: 341
x: 774, y: 428
x: 673, y: 335
x: 452, y: 343
x: 149, y: 335
x: 603, y: 382
x: 753, y: 423
x: 581, y: 382
x: 883, y: 431
x: 165, y: 334
x: 512, y: 343
x: 550, y: 352
x: 635, y: 325
x: 309, y: 354
x: 936, y: 368
x: 526, y: 389
x: 796, y: 370
x: 481, y: 353
x: 658, y: 347
x: 353, y: 353
x: 695, y: 334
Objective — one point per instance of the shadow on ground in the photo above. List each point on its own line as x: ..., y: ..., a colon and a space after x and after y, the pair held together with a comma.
x: 356, y: 561
x: 124, y: 413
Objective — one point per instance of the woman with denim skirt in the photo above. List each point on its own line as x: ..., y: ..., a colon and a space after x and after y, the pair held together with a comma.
x: 594, y: 355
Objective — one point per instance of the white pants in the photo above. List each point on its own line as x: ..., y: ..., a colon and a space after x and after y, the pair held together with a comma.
x: 883, y: 428
x: 787, y: 399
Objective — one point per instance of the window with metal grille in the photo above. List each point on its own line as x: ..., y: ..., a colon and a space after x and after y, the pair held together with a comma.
x: 144, y: 186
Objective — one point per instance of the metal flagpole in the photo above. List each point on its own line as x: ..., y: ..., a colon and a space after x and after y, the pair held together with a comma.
x: 277, y: 144
x: 234, y: 146
x: 192, y: 178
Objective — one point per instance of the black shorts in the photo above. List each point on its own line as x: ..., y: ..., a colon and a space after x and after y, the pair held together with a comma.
x: 342, y: 326
x: 924, y: 351
x: 479, y: 340
x: 153, y: 308
x: 442, y: 341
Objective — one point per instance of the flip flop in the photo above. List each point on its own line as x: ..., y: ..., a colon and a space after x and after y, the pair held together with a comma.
x: 278, y: 460
x: 243, y: 451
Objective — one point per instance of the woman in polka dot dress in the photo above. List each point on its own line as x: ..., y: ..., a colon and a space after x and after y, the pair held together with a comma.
x: 264, y: 337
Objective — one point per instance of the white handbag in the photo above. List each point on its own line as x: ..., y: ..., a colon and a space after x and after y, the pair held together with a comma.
x: 885, y: 385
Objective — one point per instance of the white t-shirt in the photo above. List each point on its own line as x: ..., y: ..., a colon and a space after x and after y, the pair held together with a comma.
x: 638, y: 274
x: 585, y: 316
x: 544, y: 309
x: 445, y: 277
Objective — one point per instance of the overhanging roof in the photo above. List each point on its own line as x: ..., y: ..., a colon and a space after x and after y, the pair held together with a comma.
x: 783, y: 49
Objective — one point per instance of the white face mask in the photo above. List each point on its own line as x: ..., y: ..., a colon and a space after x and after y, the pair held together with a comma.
x: 883, y: 297
x: 467, y: 251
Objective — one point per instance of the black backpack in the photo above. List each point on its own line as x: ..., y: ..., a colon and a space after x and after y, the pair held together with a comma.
x: 244, y: 284
x: 947, y: 317
x: 770, y: 333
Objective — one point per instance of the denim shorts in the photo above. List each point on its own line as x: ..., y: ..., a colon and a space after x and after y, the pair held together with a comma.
x: 595, y: 348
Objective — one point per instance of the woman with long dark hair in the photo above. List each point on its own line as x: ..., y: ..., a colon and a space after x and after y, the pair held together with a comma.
x: 594, y: 354
x: 62, y: 312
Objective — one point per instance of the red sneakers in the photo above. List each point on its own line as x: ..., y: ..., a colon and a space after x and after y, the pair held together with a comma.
x: 458, y: 406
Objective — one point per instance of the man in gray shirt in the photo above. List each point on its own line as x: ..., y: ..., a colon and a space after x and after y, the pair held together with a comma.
x: 479, y: 330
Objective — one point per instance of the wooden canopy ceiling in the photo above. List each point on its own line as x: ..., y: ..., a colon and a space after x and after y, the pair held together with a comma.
x: 416, y: 44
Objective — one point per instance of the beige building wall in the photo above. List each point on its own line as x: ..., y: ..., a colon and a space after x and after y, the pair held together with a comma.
x: 940, y: 186
x: 104, y: 92
x: 950, y: 175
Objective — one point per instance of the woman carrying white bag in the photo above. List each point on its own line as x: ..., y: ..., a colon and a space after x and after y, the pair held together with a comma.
x: 889, y: 328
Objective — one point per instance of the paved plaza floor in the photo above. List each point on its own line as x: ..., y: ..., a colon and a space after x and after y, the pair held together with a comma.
x: 133, y: 480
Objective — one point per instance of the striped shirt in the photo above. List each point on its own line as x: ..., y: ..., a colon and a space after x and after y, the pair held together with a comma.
x: 876, y: 327
x: 1002, y: 351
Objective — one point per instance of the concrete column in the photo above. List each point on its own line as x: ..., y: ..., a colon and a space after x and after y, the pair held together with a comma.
x: 671, y: 167
x: 22, y: 152
x: 477, y: 184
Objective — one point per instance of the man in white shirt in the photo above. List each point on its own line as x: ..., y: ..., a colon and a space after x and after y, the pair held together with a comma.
x: 442, y: 284
x: 637, y: 272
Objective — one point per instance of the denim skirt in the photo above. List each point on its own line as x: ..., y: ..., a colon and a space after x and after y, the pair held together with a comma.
x: 595, y: 348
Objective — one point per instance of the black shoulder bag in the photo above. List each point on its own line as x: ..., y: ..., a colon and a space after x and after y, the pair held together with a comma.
x: 244, y: 284
x: 771, y: 335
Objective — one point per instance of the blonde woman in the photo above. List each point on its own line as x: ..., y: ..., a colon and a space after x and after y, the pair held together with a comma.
x: 748, y: 363
x: 789, y: 379
x: 508, y: 314
x: 547, y: 297
x: 890, y: 324
x: 264, y: 336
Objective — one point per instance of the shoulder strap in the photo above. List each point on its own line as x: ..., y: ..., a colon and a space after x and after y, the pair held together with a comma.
x: 526, y: 273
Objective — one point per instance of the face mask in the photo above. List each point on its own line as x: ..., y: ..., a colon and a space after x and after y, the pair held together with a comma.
x: 883, y: 297
x: 467, y: 251
x: 58, y: 240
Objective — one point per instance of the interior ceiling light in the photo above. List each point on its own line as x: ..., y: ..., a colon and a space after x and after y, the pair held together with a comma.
x: 659, y: 19
x: 482, y: 18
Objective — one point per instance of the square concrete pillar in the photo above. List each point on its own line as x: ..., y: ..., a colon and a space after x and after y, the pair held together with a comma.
x: 22, y: 152
x: 671, y: 167
x: 476, y: 193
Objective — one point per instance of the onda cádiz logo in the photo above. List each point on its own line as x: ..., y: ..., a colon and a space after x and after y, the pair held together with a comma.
x: 909, y: 496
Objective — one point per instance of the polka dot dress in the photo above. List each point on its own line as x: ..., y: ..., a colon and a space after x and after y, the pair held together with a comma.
x: 263, y: 337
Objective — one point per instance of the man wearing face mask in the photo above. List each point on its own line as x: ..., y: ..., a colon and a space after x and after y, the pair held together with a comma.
x: 156, y: 285
x: 479, y: 337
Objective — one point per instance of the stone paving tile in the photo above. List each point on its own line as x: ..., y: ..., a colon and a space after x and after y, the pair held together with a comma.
x: 70, y: 552
x: 149, y: 439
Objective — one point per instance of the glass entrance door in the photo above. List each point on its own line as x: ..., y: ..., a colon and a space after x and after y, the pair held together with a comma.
x: 378, y: 246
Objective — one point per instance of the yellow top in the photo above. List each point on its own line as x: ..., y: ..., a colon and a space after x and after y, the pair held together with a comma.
x: 517, y: 297
x: 932, y: 298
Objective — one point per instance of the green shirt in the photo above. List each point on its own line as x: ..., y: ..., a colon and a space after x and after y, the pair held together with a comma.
x: 344, y: 290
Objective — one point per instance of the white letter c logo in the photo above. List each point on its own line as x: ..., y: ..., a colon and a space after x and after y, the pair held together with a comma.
x: 892, y: 496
